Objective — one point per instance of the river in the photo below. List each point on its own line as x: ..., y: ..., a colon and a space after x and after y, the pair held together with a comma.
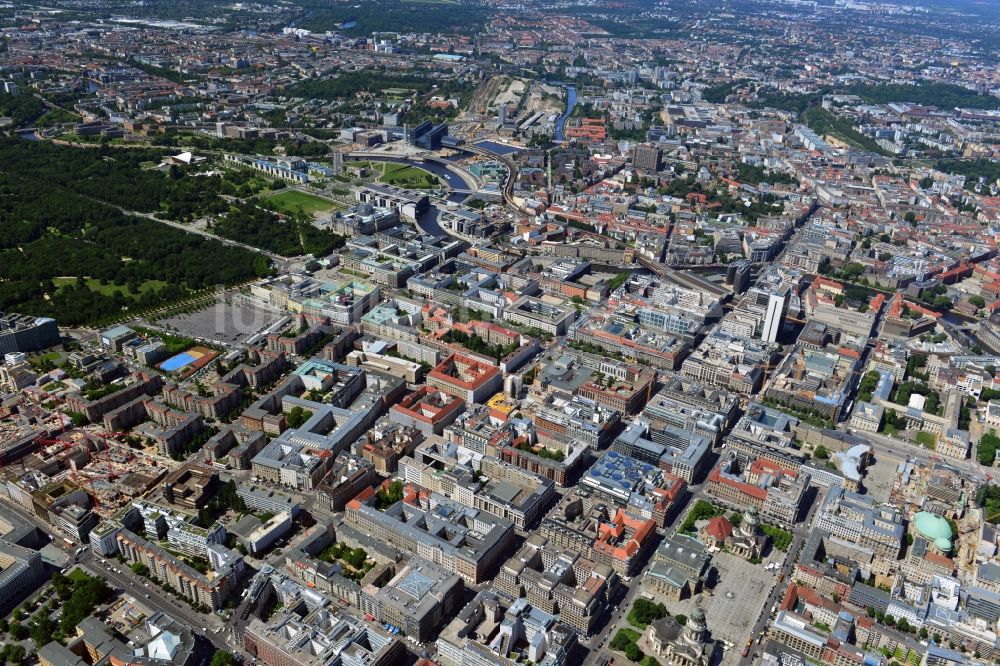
x: 428, y: 221
x: 570, y: 103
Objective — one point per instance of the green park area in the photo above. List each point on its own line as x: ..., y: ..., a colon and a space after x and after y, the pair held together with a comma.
x: 399, y: 174
x: 109, y: 288
x: 292, y: 200
x: 404, y: 175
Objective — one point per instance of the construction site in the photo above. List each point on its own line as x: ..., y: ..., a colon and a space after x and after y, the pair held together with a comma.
x: 94, y: 472
x: 518, y: 107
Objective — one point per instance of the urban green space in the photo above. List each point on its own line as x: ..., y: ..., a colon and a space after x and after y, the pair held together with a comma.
x: 294, y: 200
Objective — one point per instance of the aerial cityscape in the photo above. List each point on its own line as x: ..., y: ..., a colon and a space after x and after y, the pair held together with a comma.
x: 474, y: 333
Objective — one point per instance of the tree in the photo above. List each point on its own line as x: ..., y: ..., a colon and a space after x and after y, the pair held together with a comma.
x: 222, y: 658
x: 978, y: 301
x: 297, y: 416
x: 619, y: 642
x: 643, y: 612
x: 853, y: 271
x: 14, y: 654
x: 821, y: 452
x: 633, y: 653
x: 88, y: 592
x: 140, y: 569
x: 942, y: 303
x: 41, y: 628
x: 910, y: 217
x: 923, y: 633
x: 389, y: 496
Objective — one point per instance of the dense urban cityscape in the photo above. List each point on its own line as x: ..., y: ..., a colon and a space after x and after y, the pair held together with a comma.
x: 473, y: 333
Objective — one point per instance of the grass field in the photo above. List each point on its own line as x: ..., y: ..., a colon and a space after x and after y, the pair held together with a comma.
x: 291, y: 200
x: 109, y: 289
x: 404, y: 175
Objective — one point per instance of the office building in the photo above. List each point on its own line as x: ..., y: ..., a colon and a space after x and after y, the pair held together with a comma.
x: 559, y: 582
x: 532, y: 312
x: 466, y: 378
x: 427, y: 135
x: 584, y: 522
x: 491, y: 631
x: 21, y: 573
x: 16, y: 374
x: 25, y: 333
x: 861, y: 520
x: 740, y: 482
x: 642, y: 488
x: 774, y: 318
x: 266, y: 534
x: 673, y: 450
x: 322, y: 637
x: 464, y: 540
x: 416, y: 600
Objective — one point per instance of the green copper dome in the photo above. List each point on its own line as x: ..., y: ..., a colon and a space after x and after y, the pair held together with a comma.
x: 934, y: 528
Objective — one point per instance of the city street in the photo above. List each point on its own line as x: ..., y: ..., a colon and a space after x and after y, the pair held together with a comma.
x: 146, y: 592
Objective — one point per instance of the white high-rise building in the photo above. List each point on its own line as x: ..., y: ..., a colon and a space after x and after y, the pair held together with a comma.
x: 777, y: 304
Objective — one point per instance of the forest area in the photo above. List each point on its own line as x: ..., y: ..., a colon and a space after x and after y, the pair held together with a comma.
x: 62, y: 252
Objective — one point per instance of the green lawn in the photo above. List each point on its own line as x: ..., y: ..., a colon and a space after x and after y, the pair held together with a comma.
x: 925, y: 439
x: 77, y: 575
x: 404, y: 175
x: 291, y: 200
x: 110, y: 289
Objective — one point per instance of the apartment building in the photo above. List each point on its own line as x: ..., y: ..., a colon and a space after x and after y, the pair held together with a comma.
x: 212, y: 591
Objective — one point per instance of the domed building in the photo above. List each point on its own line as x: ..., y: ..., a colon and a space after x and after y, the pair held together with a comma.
x: 672, y: 644
x: 935, y: 530
x: 745, y: 541
x: 748, y: 542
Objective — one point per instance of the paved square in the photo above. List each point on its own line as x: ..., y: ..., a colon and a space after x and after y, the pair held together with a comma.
x: 880, y: 476
x: 735, y: 603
